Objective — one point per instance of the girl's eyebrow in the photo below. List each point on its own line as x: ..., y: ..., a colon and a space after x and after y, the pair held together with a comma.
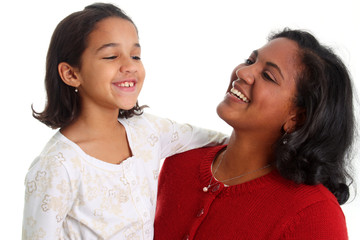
x: 107, y: 45
x: 256, y: 53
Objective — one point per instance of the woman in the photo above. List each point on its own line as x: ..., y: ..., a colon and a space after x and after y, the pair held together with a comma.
x: 283, y: 173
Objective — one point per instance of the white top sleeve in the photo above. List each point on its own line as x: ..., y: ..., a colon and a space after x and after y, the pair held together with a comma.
x: 176, y: 138
x: 48, y: 199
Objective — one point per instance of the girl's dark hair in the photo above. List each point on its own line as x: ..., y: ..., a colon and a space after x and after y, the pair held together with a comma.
x: 318, y: 151
x: 67, y: 44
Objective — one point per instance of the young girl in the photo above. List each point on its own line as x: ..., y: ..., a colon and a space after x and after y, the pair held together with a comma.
x: 97, y: 177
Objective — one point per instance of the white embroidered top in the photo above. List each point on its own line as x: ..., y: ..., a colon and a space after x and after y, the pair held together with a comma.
x: 71, y: 195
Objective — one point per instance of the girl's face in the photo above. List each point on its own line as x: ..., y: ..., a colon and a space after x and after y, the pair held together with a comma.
x: 111, y: 73
x: 262, y: 90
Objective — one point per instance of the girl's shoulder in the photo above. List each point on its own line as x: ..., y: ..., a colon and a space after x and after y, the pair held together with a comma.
x: 58, y: 155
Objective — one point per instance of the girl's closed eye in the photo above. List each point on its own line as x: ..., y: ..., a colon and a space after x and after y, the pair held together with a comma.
x: 114, y: 57
x: 136, y: 57
x: 110, y: 57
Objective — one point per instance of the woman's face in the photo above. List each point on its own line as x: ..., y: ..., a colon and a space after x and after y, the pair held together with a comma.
x: 262, y: 90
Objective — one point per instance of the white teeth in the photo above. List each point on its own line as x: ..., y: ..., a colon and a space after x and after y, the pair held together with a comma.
x: 239, y: 95
x: 126, y: 84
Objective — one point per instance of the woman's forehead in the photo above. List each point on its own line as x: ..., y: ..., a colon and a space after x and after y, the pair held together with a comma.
x: 284, y: 53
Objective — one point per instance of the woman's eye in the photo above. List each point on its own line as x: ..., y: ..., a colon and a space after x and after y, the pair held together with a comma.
x: 136, y: 57
x: 248, y: 61
x: 111, y: 57
x: 268, y: 77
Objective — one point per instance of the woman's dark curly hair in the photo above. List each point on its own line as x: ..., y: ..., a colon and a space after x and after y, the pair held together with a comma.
x: 318, y: 151
x: 67, y: 44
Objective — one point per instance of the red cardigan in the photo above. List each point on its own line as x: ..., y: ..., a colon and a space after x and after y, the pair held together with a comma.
x: 269, y: 207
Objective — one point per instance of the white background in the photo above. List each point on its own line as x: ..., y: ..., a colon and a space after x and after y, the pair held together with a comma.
x: 189, y: 49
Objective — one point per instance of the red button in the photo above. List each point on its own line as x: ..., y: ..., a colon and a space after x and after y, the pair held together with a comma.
x: 215, y: 188
x: 200, y: 213
x: 186, y: 237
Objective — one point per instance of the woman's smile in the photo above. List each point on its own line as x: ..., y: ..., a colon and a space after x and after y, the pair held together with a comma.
x: 238, y: 93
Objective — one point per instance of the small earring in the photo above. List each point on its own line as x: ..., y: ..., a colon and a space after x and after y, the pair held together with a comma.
x: 76, y: 90
x: 284, y: 139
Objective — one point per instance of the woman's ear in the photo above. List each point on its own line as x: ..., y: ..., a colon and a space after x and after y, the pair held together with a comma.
x: 300, y: 118
x: 294, y: 121
x: 68, y: 74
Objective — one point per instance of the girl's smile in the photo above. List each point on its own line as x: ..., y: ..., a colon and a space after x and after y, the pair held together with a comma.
x: 125, y: 85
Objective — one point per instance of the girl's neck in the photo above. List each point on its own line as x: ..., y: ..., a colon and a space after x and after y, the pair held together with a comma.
x: 90, y: 123
x: 100, y: 136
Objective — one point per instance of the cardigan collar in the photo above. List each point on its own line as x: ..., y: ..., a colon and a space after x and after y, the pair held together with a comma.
x: 252, y: 185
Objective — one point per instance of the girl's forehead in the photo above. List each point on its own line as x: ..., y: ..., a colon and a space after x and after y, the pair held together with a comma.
x: 112, y: 24
x: 113, y: 30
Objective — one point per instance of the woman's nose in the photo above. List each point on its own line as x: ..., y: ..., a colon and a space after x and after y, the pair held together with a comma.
x: 246, y: 74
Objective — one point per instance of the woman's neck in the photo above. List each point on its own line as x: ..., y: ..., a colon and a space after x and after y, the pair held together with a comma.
x: 243, y: 155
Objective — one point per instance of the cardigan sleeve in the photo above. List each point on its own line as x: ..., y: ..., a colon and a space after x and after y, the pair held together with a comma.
x: 48, y: 198
x: 321, y: 220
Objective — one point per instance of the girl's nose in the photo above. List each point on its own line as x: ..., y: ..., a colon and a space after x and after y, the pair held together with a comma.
x: 128, y: 65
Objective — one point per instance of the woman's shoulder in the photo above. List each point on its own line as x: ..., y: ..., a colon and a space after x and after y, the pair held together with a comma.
x: 302, y: 196
x: 304, y: 210
x: 314, y: 213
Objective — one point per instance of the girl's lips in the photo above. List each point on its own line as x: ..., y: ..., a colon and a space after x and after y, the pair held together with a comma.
x: 126, y: 85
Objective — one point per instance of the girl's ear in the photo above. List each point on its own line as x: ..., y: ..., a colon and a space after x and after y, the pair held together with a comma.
x: 68, y: 74
x: 294, y: 121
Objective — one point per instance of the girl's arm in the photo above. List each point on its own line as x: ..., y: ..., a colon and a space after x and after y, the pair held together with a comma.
x: 48, y: 199
x: 176, y: 138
